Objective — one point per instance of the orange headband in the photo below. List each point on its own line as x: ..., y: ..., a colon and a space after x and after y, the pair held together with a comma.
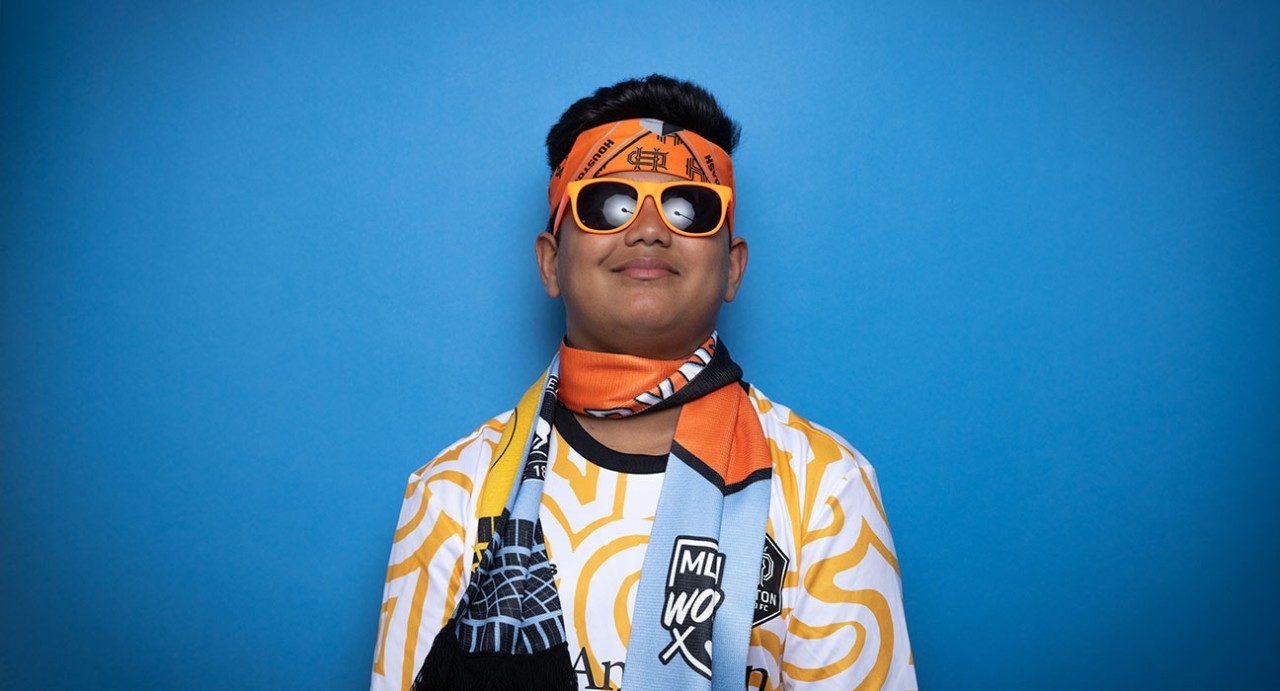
x: 641, y: 144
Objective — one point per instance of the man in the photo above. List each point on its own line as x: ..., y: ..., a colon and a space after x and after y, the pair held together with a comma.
x: 643, y: 510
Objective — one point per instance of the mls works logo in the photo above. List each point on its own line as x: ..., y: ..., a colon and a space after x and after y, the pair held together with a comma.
x: 693, y: 595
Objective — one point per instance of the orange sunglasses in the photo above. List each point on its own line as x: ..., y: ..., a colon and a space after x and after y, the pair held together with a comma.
x: 610, y: 205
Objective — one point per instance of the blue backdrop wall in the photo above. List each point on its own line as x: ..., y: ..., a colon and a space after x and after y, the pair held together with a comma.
x: 262, y: 260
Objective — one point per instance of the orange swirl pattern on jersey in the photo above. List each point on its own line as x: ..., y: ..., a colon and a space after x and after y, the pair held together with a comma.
x: 841, y: 625
x: 426, y: 566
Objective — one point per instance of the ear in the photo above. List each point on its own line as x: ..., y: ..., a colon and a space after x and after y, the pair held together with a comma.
x: 545, y: 250
x: 737, y: 267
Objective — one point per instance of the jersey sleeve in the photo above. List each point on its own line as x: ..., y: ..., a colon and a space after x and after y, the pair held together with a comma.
x: 848, y: 629
x: 430, y: 555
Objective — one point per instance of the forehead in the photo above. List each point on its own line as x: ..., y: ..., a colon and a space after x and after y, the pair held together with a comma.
x: 643, y: 175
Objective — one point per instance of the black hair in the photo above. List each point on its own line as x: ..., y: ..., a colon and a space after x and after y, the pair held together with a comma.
x: 671, y: 100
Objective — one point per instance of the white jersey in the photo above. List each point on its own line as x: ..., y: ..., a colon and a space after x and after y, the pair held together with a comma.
x: 829, y: 602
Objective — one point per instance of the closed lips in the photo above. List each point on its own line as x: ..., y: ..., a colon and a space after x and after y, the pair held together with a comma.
x: 647, y: 264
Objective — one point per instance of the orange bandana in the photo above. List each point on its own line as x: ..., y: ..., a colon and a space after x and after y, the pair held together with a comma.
x: 641, y: 144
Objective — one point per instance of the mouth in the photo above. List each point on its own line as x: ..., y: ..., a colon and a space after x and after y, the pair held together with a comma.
x: 646, y: 268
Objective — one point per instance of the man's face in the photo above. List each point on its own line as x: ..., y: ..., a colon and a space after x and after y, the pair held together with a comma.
x: 645, y: 290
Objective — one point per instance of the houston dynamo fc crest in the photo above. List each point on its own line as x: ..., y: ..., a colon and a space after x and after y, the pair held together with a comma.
x: 773, y: 566
x: 693, y: 595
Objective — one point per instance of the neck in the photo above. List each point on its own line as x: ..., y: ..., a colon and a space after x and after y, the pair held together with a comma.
x: 650, y: 433
x: 654, y: 347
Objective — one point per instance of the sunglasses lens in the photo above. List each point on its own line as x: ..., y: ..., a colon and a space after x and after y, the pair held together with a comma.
x: 692, y: 209
x: 606, y: 205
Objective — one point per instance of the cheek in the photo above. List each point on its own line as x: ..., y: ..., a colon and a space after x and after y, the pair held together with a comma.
x: 712, y: 269
x: 575, y: 262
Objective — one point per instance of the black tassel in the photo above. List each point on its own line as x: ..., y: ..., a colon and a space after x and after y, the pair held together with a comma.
x: 449, y: 668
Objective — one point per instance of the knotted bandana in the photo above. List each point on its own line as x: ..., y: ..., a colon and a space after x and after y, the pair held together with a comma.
x: 697, y: 586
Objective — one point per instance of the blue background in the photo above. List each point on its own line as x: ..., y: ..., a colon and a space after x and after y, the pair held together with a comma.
x: 260, y: 263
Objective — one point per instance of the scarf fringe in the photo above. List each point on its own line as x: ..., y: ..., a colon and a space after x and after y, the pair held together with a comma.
x: 449, y: 667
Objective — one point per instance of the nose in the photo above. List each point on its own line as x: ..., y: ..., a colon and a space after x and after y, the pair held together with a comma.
x: 648, y: 228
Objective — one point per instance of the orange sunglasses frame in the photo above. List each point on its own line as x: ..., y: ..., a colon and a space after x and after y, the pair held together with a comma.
x: 644, y: 189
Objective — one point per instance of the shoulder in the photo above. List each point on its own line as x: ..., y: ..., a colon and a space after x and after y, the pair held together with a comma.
x: 467, y: 456
x: 792, y: 432
x: 440, y: 495
x: 811, y: 462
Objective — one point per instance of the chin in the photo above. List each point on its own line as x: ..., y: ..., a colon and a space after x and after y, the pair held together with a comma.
x: 647, y: 305
x: 645, y: 322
